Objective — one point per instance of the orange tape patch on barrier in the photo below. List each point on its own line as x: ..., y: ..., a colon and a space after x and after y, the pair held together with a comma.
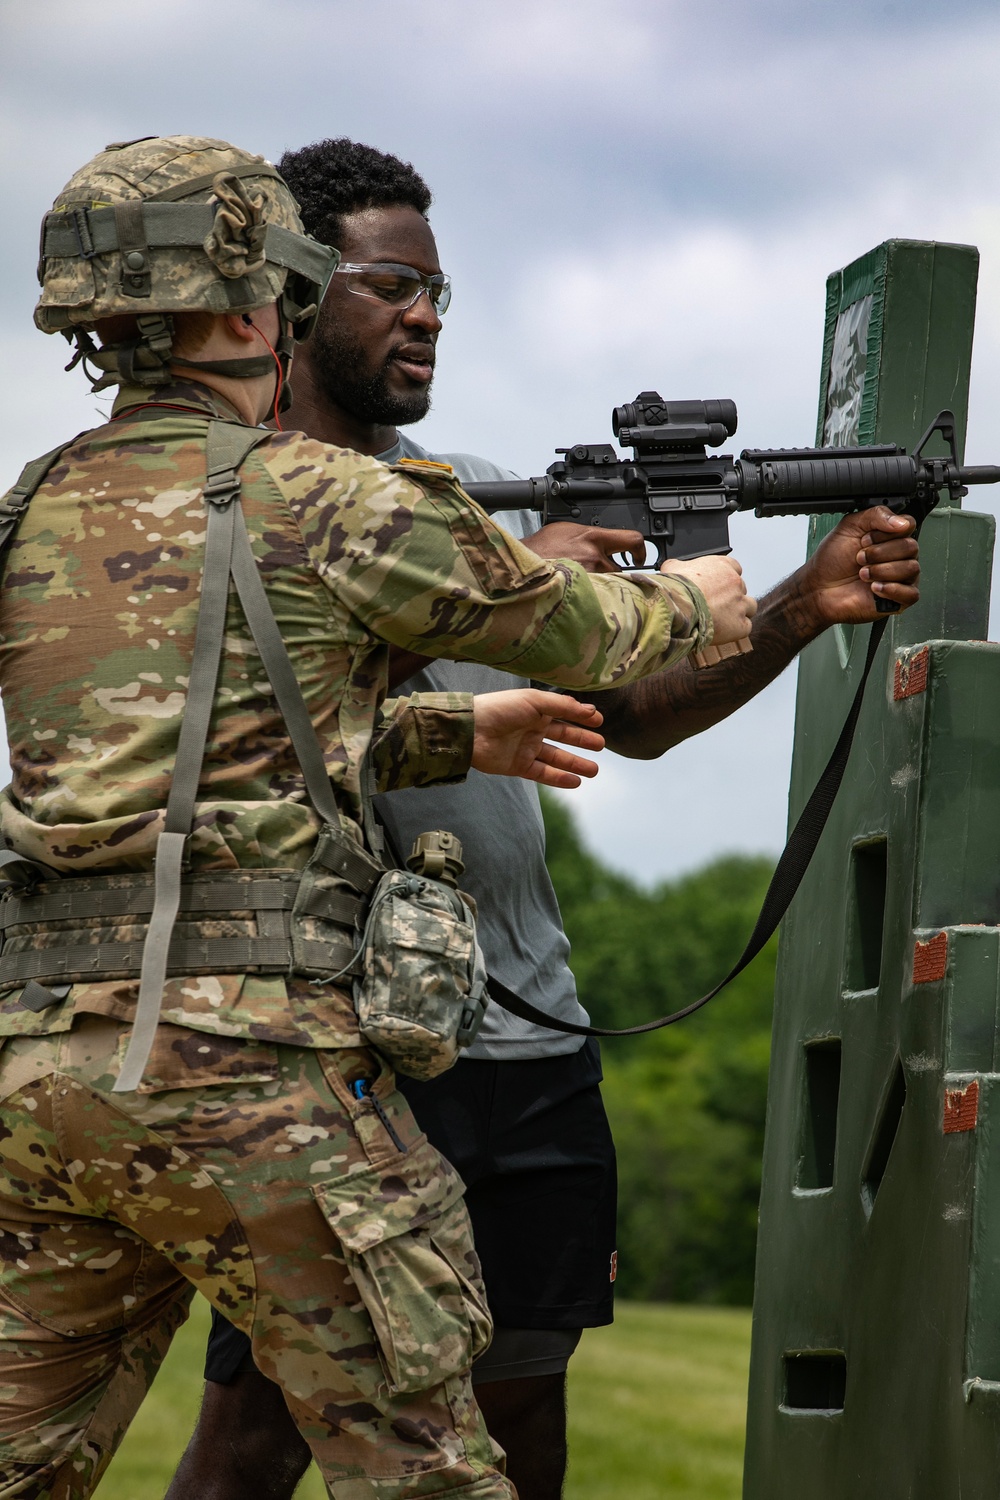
x: 910, y: 674
x: 961, y: 1108
x: 930, y: 959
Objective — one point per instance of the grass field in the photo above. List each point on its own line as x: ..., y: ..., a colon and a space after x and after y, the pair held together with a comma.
x: 657, y: 1405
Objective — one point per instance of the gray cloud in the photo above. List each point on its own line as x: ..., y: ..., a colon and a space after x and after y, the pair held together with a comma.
x: 626, y: 197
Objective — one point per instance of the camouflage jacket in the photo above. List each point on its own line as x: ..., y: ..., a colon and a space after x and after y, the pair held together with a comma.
x: 97, y: 611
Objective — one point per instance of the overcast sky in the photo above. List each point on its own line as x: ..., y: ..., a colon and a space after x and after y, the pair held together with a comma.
x: 628, y: 196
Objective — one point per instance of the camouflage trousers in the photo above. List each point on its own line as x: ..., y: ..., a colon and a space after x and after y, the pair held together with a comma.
x: 321, y: 1223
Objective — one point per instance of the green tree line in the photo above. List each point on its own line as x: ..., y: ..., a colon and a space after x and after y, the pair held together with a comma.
x: 687, y: 1103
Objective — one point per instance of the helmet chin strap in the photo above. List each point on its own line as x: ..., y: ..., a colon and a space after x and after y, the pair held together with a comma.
x: 147, y: 359
x: 238, y: 369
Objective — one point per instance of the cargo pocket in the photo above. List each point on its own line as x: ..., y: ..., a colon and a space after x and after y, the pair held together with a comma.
x: 407, y: 1243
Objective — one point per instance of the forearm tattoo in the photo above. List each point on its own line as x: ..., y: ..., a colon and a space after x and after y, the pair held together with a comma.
x: 645, y: 718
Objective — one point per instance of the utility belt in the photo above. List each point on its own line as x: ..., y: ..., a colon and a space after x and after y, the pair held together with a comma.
x: 84, y: 929
x: 403, y: 940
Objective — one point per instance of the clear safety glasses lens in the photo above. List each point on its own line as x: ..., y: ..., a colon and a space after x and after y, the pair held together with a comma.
x: 396, y: 286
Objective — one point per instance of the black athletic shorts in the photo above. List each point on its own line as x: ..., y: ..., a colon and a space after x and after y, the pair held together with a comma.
x: 532, y: 1142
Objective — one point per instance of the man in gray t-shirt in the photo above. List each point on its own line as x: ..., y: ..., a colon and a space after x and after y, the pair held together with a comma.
x: 521, y: 1115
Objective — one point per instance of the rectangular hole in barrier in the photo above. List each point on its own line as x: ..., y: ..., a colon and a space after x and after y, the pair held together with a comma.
x: 884, y: 1138
x: 815, y: 1382
x: 819, y: 1125
x: 869, y: 868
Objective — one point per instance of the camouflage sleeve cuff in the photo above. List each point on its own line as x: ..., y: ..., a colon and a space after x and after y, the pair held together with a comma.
x: 423, y: 740
x: 693, y: 618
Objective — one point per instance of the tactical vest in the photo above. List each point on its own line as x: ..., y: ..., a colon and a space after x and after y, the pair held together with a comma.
x: 57, y: 931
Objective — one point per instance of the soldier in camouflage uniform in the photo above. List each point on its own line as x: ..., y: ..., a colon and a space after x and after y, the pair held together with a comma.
x: 265, y: 1157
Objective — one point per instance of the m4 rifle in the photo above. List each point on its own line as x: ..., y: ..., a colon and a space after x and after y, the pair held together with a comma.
x: 680, y: 497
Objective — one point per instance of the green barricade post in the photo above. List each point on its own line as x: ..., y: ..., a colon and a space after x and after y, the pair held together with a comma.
x: 875, y: 1368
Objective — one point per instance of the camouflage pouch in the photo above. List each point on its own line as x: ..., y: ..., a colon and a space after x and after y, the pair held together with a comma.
x: 421, y: 995
x: 330, y: 905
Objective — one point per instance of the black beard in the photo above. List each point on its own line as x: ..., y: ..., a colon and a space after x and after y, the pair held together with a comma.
x: 345, y: 378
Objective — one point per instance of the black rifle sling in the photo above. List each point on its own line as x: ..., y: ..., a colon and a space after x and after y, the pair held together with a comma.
x: 791, y: 867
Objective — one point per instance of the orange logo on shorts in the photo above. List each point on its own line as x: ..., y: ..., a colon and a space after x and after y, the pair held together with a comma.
x: 614, y: 1265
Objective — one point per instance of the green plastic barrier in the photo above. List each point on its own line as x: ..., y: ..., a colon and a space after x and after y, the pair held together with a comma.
x: 875, y: 1367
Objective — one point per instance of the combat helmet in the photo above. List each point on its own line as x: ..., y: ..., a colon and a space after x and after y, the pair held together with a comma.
x: 170, y: 224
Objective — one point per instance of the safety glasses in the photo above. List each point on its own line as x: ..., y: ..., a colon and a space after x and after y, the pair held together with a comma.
x: 396, y: 286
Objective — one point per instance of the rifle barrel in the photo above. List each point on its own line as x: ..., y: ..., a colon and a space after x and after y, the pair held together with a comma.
x: 979, y: 474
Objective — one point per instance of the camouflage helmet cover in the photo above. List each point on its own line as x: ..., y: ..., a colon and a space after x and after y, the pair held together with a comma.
x: 175, y: 224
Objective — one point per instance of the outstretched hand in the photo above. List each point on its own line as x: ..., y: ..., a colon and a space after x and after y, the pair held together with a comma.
x: 869, y: 555
x: 512, y: 727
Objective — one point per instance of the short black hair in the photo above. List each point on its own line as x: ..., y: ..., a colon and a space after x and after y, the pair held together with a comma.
x: 333, y: 178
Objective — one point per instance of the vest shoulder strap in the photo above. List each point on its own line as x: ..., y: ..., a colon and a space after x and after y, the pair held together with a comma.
x: 228, y: 446
x: 17, y: 868
x: 227, y: 553
x: 20, y: 496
